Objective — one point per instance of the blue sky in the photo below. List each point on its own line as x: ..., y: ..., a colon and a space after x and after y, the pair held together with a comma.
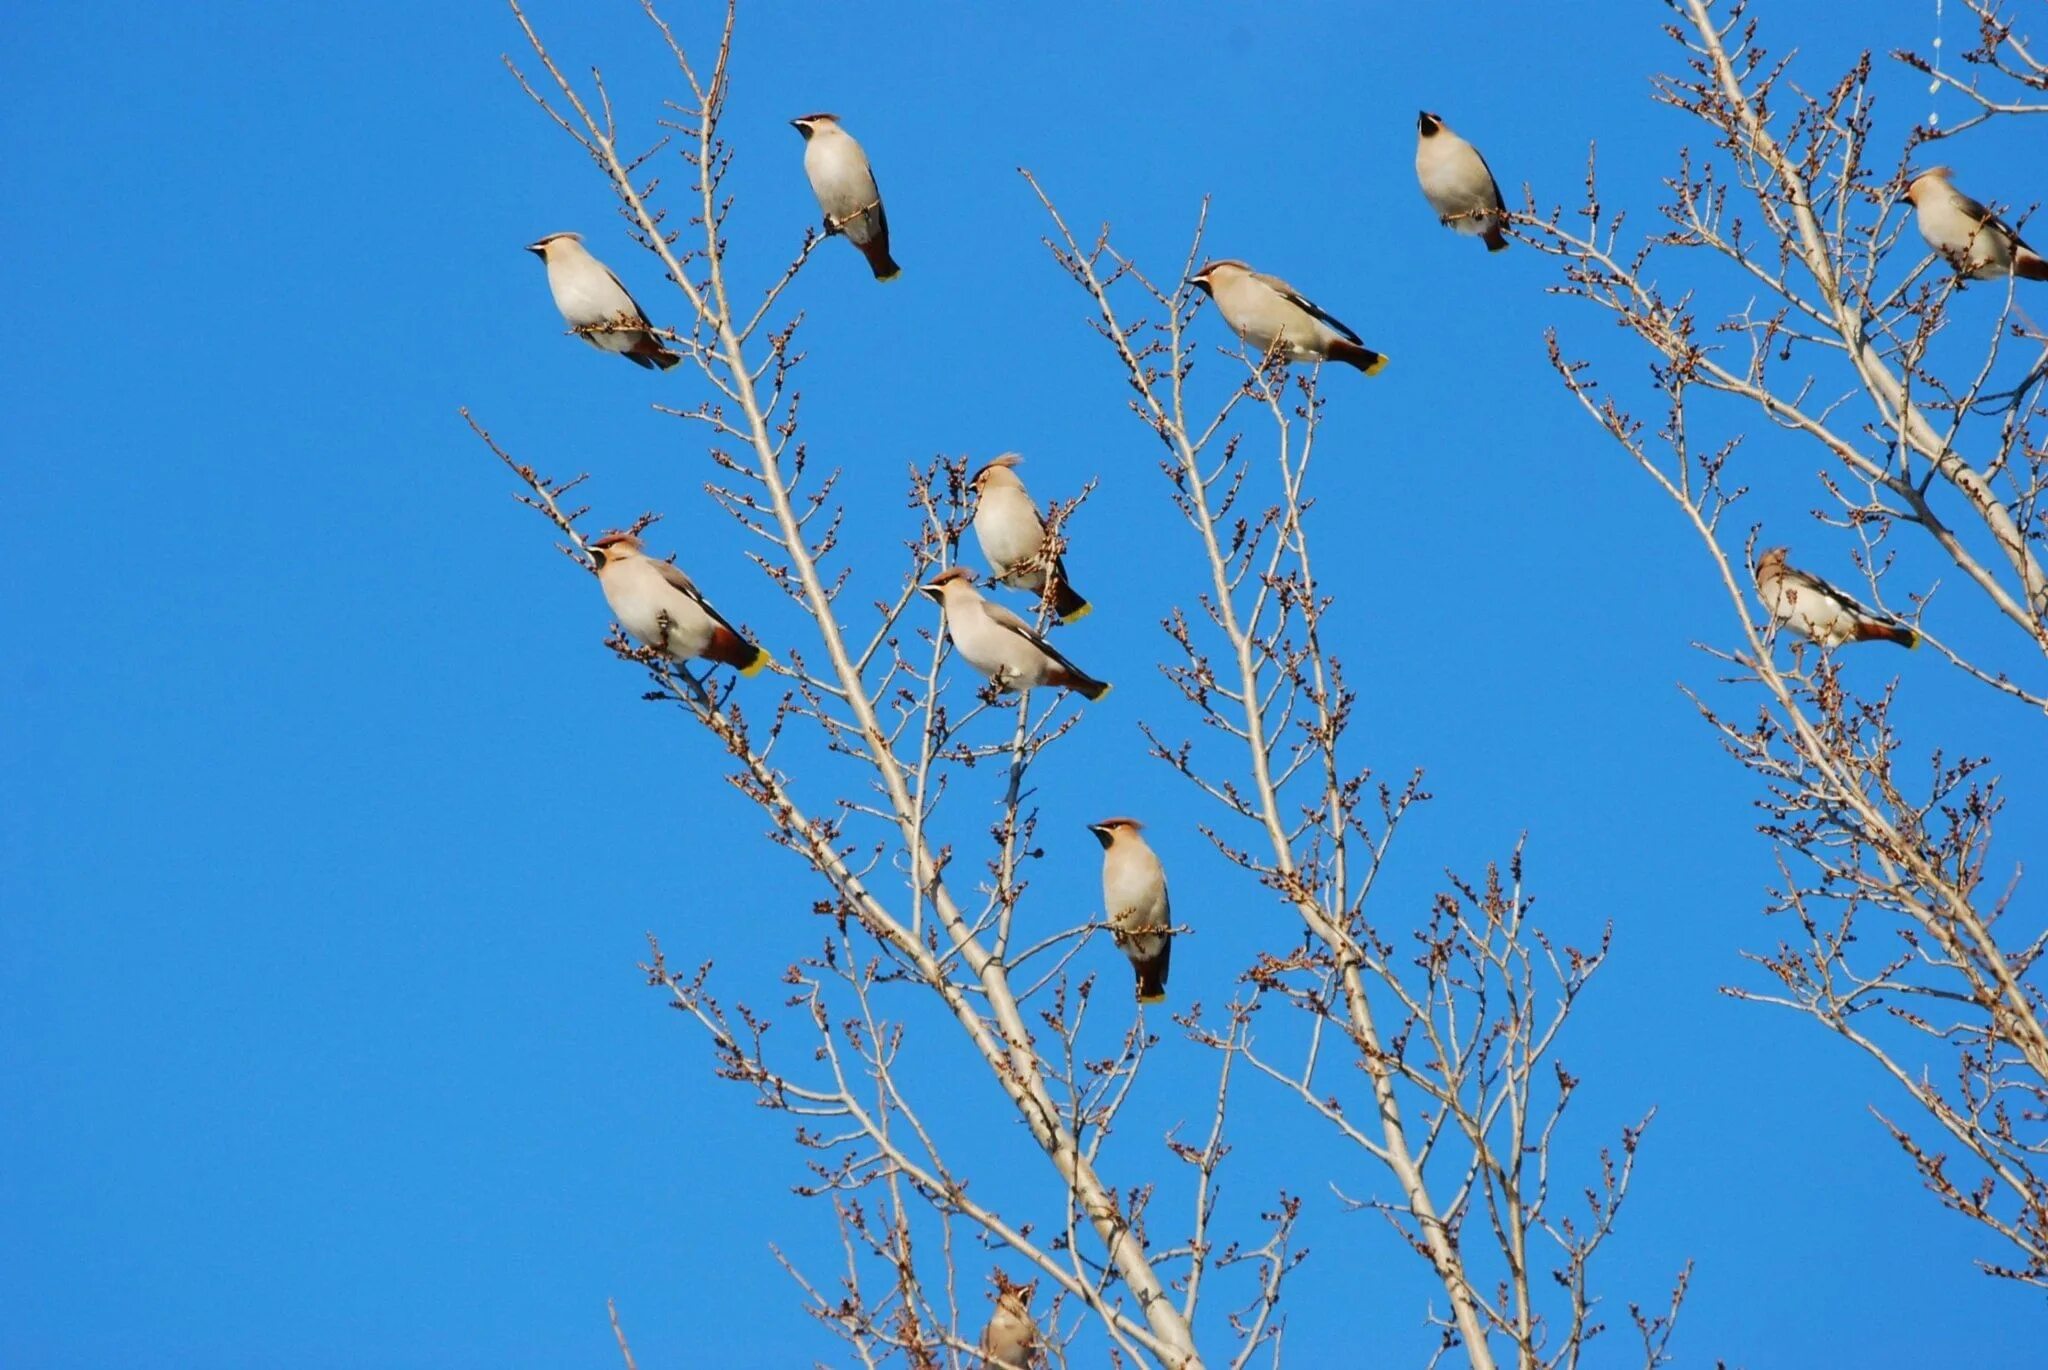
x: 326, y: 1040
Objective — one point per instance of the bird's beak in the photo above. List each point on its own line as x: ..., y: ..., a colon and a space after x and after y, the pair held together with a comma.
x: 537, y: 249
x: 1102, y: 833
x: 937, y: 592
x: 597, y: 558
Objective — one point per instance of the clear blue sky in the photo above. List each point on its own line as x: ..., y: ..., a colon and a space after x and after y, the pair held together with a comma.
x: 325, y: 1040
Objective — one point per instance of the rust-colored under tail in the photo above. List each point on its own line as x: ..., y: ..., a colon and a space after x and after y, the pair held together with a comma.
x: 876, y: 250
x: 2030, y: 265
x: 1870, y: 630
x: 1364, y: 358
x: 728, y: 648
x: 648, y: 352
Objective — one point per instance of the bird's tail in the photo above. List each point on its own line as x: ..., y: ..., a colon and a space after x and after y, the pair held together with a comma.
x: 876, y: 250
x: 1496, y: 241
x: 647, y: 351
x: 1872, y: 630
x: 2030, y: 265
x: 1151, y: 978
x: 1364, y: 358
x: 1068, y: 604
x: 730, y: 649
x: 1090, y: 688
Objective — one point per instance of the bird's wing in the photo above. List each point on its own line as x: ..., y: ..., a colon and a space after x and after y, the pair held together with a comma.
x: 639, y: 314
x: 673, y: 574
x: 1984, y: 217
x: 1294, y: 296
x: 881, y: 215
x: 1999, y: 225
x: 1491, y: 179
x: 1007, y: 620
x: 1807, y: 583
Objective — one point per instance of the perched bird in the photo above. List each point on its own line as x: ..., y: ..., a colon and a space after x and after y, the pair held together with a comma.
x: 1012, y: 537
x: 1265, y: 311
x: 846, y: 191
x: 596, y: 305
x: 999, y: 644
x: 655, y: 602
x: 1134, y: 898
x: 1815, y: 609
x: 1010, y: 1341
x: 1976, y: 242
x: 1456, y: 182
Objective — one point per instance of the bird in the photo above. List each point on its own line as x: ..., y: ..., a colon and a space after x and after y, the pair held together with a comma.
x: 1134, y: 899
x: 1010, y: 1341
x: 1012, y: 537
x: 845, y: 186
x: 1457, y: 182
x: 1976, y: 242
x: 596, y: 305
x: 655, y: 602
x: 1815, y: 609
x: 1267, y: 312
x: 1001, y: 645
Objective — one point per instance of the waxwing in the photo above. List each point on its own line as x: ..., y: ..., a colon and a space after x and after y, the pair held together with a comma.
x: 655, y: 602
x: 1134, y: 900
x: 1976, y: 242
x: 1268, y: 313
x: 1457, y: 183
x: 596, y: 305
x: 1001, y: 645
x: 1012, y: 537
x: 1815, y: 609
x: 845, y: 186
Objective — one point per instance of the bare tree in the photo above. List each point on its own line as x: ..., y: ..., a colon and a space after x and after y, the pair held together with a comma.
x: 2006, y: 78
x: 1448, y: 1018
x: 1835, y: 328
x: 1453, y: 1025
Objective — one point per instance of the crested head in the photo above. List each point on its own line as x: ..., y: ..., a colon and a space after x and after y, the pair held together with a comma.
x: 1010, y: 1291
x: 945, y: 580
x: 1772, y: 559
x: 1016, y: 1299
x: 1220, y: 266
x: 1428, y: 125
x: 997, y: 471
x: 1108, y: 830
x: 807, y: 124
x: 614, y: 547
x: 1934, y: 175
x: 540, y: 246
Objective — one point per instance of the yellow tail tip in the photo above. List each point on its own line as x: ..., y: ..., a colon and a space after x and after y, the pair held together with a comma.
x: 1079, y: 614
x: 758, y: 665
x: 1379, y: 364
x: 1102, y: 693
x: 1152, y: 998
